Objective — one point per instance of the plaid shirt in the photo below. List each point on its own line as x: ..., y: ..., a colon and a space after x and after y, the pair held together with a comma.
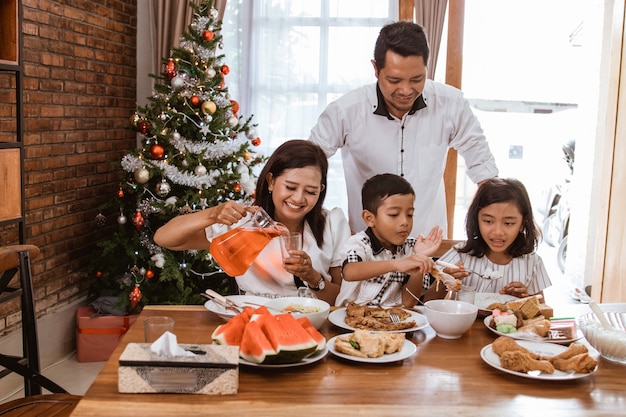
x: 384, y: 290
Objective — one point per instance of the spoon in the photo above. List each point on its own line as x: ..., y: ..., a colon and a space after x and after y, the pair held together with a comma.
x: 221, y: 300
x: 491, y: 275
x: 600, y: 315
x: 414, y: 296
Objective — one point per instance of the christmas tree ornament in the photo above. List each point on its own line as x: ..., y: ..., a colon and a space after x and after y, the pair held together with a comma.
x: 235, y: 106
x: 177, y: 82
x: 251, y: 133
x: 157, y: 151
x: 134, y: 119
x: 195, y: 100
x: 138, y: 220
x: 121, y: 219
x: 101, y: 219
x: 170, y: 69
x: 175, y: 135
x: 237, y: 188
x: 200, y: 170
x: 135, y: 296
x: 211, y: 72
x: 142, y: 271
x: 163, y: 188
x: 247, y: 155
x: 149, y: 274
x: 142, y: 175
x: 256, y: 142
x: 120, y: 193
x: 142, y: 127
x: 224, y: 69
x: 207, y: 35
x: 99, y: 274
x: 208, y: 107
x: 232, y: 121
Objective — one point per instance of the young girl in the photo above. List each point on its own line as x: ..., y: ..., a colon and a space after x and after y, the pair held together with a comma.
x: 502, y: 239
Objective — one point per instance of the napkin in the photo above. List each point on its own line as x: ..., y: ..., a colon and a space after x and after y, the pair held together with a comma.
x: 167, y: 345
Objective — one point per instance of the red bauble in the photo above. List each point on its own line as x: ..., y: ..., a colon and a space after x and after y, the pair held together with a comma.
x: 98, y: 274
x: 142, y: 126
x: 157, y: 151
x: 138, y: 220
x: 235, y: 106
x: 149, y: 274
x: 237, y: 187
x: 207, y: 35
x: 135, y: 296
x: 195, y: 101
x: 170, y: 69
x: 224, y: 69
x: 256, y: 142
x: 120, y: 193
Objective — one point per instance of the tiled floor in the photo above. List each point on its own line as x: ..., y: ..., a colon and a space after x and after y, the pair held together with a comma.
x: 76, y: 377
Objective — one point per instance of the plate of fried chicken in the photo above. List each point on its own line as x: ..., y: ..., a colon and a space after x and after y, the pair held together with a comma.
x: 371, y: 347
x: 538, y: 360
x: 355, y: 316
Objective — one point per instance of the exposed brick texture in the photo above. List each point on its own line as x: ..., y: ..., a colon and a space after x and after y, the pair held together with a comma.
x: 79, y: 91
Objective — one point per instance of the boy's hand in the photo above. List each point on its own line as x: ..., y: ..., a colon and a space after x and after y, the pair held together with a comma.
x: 428, y: 245
x: 415, y: 264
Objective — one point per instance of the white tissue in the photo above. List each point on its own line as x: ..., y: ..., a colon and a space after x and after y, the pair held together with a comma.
x: 168, y: 345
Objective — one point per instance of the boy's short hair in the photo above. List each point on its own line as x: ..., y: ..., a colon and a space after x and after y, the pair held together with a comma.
x: 379, y: 187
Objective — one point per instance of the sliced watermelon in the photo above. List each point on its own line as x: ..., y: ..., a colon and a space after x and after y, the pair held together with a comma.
x: 287, y: 337
x: 262, y: 310
x: 255, y: 347
x: 231, y: 332
x: 315, y: 334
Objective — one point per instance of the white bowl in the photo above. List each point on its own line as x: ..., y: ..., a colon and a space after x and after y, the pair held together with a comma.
x: 610, y: 343
x: 317, y: 317
x: 450, y: 318
x: 240, y: 300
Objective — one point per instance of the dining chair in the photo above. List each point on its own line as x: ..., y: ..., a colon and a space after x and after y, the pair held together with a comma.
x: 14, y: 261
x: 47, y: 405
x: 446, y: 244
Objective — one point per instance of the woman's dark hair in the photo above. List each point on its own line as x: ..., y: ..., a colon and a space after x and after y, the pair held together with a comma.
x: 501, y: 190
x: 404, y: 38
x: 295, y: 153
x: 379, y: 187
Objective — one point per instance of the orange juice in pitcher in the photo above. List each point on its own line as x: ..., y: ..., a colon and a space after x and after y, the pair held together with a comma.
x: 236, y: 249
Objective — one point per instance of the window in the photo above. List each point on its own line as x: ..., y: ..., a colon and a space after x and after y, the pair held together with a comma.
x: 290, y: 58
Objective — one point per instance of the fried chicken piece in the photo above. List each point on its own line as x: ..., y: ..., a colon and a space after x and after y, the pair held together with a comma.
x: 522, y: 362
x: 370, y: 345
x: 451, y: 283
x: 376, y: 318
x: 393, y: 342
x: 582, y: 363
x: 344, y: 346
x: 372, y: 323
x: 505, y: 344
x: 572, y: 350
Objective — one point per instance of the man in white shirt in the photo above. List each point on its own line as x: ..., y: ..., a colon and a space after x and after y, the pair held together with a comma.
x: 403, y: 124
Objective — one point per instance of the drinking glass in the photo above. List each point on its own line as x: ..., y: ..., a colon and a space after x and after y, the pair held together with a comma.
x: 289, y: 242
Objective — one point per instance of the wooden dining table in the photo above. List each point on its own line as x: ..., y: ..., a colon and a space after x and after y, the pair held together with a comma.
x: 445, y: 377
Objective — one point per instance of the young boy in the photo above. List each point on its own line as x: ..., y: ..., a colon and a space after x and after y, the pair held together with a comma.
x: 382, y: 260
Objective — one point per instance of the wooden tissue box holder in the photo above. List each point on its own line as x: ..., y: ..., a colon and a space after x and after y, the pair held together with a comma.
x: 214, y: 372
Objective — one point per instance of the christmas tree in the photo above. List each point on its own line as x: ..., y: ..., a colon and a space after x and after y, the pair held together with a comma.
x: 196, y: 153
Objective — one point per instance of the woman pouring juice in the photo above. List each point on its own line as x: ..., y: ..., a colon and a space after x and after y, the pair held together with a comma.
x: 291, y: 189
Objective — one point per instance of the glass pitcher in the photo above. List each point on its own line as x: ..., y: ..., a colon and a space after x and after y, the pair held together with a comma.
x: 236, y: 249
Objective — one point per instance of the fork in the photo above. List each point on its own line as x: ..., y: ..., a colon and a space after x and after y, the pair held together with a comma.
x: 394, y: 318
x: 493, y: 276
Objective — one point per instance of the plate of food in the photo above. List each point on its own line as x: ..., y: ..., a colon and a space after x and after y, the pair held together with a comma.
x: 240, y: 300
x: 538, y: 360
x: 355, y: 317
x: 314, y: 357
x: 487, y: 301
x: 556, y: 332
x: 371, y: 347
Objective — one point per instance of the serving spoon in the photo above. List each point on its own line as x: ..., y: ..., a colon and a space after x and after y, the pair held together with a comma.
x: 492, y: 275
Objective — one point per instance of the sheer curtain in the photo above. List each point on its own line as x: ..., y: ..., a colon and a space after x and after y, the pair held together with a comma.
x: 432, y: 14
x: 289, y: 59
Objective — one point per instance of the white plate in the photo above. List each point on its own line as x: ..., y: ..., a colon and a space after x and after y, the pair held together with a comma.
x: 544, y: 349
x: 338, y: 318
x: 408, y: 350
x: 240, y: 300
x: 484, y: 299
x: 528, y: 336
x: 316, y: 356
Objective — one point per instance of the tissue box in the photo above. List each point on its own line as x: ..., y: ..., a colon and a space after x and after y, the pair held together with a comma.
x: 97, y: 336
x: 214, y: 370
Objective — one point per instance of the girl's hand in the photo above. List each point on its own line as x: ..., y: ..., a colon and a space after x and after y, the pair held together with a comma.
x: 516, y: 289
x: 428, y: 245
x: 459, y: 272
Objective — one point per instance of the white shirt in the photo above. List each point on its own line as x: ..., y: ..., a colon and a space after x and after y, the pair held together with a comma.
x: 527, y: 269
x: 372, y: 144
x: 267, y: 277
x: 383, y: 290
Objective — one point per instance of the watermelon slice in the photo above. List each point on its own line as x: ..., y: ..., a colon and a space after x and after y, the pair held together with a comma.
x: 288, y: 338
x: 313, y: 332
x: 255, y: 347
x: 231, y: 332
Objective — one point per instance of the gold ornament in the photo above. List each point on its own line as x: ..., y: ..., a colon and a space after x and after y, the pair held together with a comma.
x: 208, y: 107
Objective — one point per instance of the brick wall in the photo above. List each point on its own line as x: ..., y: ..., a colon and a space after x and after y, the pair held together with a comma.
x: 79, y: 92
